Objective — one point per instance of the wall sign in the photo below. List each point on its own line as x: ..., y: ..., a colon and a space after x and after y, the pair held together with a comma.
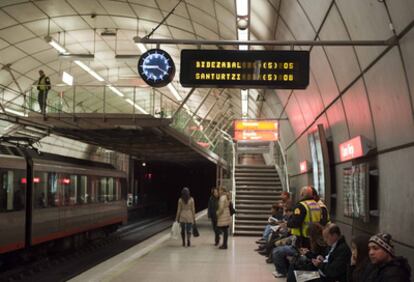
x: 244, y: 69
x: 353, y: 148
x: 303, y: 166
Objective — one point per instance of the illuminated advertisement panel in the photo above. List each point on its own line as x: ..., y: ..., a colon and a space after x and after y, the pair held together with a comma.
x: 244, y: 69
x: 271, y: 125
x: 251, y: 135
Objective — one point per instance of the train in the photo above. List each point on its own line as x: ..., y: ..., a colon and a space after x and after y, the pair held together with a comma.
x: 45, y: 197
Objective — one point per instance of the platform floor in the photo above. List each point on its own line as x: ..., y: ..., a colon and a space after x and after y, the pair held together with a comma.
x: 163, y: 259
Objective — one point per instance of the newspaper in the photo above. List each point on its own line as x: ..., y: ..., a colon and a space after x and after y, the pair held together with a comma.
x: 302, y: 276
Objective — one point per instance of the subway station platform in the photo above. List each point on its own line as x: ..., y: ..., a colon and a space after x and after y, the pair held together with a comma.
x: 161, y: 258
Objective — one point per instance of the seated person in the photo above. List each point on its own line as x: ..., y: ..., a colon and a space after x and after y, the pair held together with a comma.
x: 272, y: 221
x: 386, y: 266
x: 333, y: 266
x: 317, y: 248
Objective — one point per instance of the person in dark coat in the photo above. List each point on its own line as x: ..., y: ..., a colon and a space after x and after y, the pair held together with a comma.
x: 212, y: 213
x: 386, y: 266
x: 333, y: 267
x: 360, y: 263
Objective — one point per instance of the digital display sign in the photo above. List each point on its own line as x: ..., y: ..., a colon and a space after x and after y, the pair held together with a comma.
x: 251, y: 135
x: 244, y: 69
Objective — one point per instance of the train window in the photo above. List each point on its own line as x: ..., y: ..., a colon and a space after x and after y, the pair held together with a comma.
x: 72, y: 190
x: 118, y: 194
x: 40, y: 191
x: 94, y: 184
x: 111, y: 193
x: 12, y: 191
x: 103, y: 189
x: 83, y: 190
x: 52, y: 190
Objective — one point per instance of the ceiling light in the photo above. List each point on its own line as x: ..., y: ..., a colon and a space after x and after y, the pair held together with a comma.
x: 242, y: 7
x: 67, y: 78
x: 116, y: 91
x: 89, y: 70
x: 82, y: 57
x: 141, y: 47
x: 14, y: 112
x: 56, y: 45
x: 245, y: 101
x: 243, y: 34
x: 174, y: 92
x: 108, y: 32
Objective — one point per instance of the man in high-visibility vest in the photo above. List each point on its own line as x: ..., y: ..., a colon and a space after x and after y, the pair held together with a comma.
x: 43, y: 86
x: 325, y: 218
x: 306, y: 211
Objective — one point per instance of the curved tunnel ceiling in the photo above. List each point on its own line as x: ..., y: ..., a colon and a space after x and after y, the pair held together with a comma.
x: 353, y: 90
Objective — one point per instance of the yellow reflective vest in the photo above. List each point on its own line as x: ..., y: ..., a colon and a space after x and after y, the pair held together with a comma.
x: 322, y: 205
x: 43, y: 83
x: 313, y: 214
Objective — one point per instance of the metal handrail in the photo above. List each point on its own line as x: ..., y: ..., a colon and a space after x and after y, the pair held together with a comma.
x: 65, y: 99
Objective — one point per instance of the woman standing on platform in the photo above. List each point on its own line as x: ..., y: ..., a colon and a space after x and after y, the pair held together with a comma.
x: 186, y: 214
x: 212, y: 213
x: 223, y: 216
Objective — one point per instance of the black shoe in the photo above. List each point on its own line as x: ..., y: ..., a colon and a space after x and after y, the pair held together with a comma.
x: 260, y: 249
x: 188, y: 243
x: 269, y: 260
x: 261, y: 241
x: 263, y: 252
x: 216, y: 243
x: 223, y: 247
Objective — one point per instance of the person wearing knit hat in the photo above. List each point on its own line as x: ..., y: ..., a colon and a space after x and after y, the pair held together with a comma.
x: 387, y: 266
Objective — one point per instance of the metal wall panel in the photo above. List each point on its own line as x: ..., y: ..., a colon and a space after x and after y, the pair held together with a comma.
x: 358, y: 112
x: 390, y: 103
x: 339, y: 128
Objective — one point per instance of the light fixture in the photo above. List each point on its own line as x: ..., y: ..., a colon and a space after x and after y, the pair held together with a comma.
x: 174, y: 92
x: 67, y: 78
x: 127, y: 57
x: 89, y: 70
x: 129, y: 101
x: 15, y: 112
x: 141, y: 47
x: 245, y: 101
x: 242, y: 8
x: 82, y: 57
x: 116, y: 91
x: 56, y: 45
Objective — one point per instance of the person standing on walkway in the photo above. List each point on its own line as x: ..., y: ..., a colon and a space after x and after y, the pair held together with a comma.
x: 223, y: 216
x: 43, y: 86
x: 212, y: 213
x: 186, y: 215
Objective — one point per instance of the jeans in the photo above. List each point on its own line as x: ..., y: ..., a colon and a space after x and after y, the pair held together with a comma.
x: 279, y: 256
x: 267, y: 231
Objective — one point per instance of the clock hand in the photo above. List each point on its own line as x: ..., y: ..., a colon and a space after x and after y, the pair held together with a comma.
x: 155, y: 67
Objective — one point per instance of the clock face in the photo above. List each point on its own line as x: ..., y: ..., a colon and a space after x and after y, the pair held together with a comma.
x: 156, y: 68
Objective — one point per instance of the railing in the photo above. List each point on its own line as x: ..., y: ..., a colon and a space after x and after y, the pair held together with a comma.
x: 106, y: 99
x: 280, y: 164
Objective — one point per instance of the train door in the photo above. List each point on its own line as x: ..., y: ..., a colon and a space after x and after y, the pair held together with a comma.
x: 12, y: 209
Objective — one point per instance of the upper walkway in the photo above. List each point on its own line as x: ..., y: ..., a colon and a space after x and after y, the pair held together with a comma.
x: 160, y: 258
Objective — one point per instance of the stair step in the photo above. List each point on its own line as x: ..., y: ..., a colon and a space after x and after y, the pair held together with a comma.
x: 259, y: 179
x: 250, y: 227
x: 257, y: 174
x: 258, y: 196
x: 253, y: 211
x: 257, y: 183
x: 246, y: 216
x: 252, y: 192
x: 240, y: 207
x: 238, y: 222
x: 255, y: 166
x: 247, y: 233
x: 269, y: 202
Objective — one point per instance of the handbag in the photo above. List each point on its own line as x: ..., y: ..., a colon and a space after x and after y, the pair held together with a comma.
x: 175, y: 230
x: 195, y: 230
x: 231, y: 208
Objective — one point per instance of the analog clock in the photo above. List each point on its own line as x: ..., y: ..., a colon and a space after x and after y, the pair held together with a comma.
x: 156, y: 68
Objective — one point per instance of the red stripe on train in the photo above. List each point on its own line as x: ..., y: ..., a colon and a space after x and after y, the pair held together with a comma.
x: 62, y: 234
x: 11, y: 247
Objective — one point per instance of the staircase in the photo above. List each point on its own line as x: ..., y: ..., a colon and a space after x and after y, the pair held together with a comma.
x: 257, y: 188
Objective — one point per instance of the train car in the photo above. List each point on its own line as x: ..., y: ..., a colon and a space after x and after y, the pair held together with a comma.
x: 47, y: 197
